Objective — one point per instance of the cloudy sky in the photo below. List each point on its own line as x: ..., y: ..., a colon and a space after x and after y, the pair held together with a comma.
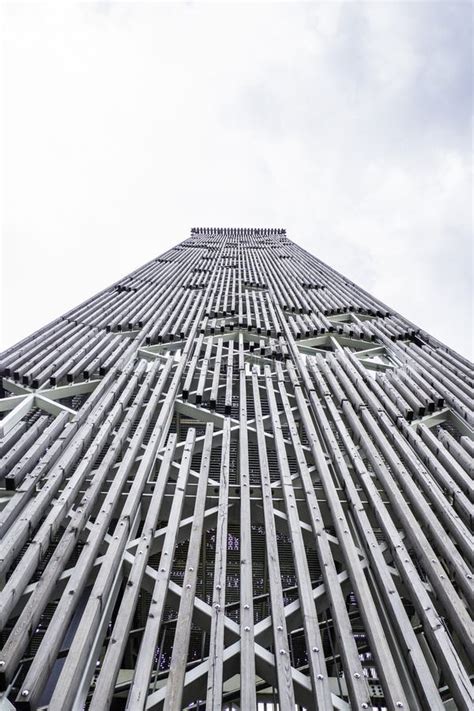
x: 123, y: 125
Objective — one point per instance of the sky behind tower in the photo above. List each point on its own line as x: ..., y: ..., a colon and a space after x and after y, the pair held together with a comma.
x: 125, y: 124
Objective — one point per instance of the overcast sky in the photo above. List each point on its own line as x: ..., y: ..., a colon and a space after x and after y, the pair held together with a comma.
x: 123, y: 125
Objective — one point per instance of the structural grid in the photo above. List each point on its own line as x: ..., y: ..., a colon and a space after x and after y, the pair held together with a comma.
x: 234, y: 480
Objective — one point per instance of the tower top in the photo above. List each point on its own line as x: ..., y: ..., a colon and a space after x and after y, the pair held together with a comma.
x: 238, y: 231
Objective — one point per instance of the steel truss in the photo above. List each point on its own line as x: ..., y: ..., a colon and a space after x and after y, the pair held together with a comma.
x: 234, y: 480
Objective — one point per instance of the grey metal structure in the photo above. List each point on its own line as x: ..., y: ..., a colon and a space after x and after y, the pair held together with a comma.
x: 235, y: 480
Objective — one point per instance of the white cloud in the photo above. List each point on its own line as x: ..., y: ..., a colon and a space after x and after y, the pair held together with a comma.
x: 349, y: 124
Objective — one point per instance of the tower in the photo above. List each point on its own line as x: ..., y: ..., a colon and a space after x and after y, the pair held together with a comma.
x: 235, y: 479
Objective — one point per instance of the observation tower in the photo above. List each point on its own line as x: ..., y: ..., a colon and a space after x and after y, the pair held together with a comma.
x: 234, y: 480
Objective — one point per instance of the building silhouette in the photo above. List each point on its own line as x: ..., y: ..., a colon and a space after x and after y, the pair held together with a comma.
x: 235, y: 480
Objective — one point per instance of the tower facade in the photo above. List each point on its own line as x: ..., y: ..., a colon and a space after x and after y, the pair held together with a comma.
x: 235, y: 480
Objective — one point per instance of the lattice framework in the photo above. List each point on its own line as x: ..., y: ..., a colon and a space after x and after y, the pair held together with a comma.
x: 233, y: 479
